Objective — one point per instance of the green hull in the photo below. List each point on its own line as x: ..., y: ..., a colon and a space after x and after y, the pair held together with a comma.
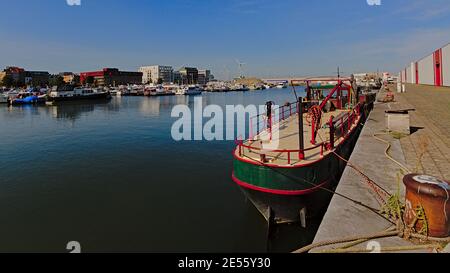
x: 287, y: 181
x: 284, y: 192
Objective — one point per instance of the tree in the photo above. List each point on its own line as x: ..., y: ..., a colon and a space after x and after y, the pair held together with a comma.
x: 56, y: 80
x: 90, y: 80
x: 39, y: 82
x: 8, y: 81
x: 75, y: 80
x: 160, y: 81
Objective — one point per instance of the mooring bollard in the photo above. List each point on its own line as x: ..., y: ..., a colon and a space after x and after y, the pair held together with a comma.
x: 432, y: 195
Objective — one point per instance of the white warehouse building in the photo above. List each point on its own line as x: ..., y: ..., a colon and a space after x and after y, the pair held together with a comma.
x: 433, y: 69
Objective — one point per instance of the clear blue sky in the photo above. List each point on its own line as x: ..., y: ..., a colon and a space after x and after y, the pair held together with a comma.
x: 274, y: 37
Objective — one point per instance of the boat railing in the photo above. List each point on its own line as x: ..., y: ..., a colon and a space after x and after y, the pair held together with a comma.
x: 262, y: 123
x: 290, y: 154
x: 340, y: 127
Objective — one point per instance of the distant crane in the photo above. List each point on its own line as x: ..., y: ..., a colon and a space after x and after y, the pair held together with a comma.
x: 227, y: 73
x: 241, y: 68
x: 339, y: 72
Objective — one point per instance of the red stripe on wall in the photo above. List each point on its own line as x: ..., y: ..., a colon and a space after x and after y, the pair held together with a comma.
x: 417, y: 73
x: 434, y: 67
x: 442, y: 68
x: 437, y: 56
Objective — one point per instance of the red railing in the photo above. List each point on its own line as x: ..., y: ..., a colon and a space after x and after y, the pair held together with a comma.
x: 242, y: 146
x: 340, y: 128
x: 260, y: 123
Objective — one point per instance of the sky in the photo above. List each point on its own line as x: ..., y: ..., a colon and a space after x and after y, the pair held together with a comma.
x: 275, y: 38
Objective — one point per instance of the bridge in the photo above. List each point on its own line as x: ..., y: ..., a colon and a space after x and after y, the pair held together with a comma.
x: 299, y: 79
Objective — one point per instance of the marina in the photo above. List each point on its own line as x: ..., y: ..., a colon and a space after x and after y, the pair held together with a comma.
x: 96, y: 178
x: 241, y: 128
x: 290, y: 186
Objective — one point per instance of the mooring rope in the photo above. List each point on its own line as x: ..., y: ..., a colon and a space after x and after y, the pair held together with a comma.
x: 386, y: 152
x: 387, y: 233
x: 382, y: 194
x: 385, y: 249
x: 295, y: 179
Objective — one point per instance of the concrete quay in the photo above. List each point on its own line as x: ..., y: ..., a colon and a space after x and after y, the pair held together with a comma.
x: 426, y: 150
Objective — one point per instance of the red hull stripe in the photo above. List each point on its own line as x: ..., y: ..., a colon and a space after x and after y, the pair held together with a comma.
x: 278, y: 192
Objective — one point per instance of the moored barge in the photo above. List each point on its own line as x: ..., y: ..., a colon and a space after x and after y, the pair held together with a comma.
x: 290, y: 161
x: 70, y: 93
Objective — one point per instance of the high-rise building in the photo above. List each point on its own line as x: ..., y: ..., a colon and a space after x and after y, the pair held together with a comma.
x: 177, y: 77
x: 189, y: 75
x: 204, y: 76
x: 156, y: 73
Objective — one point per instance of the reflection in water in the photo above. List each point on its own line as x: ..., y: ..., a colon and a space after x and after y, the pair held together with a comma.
x: 25, y: 110
x: 181, y: 100
x: 150, y: 106
x: 110, y: 176
x: 74, y: 110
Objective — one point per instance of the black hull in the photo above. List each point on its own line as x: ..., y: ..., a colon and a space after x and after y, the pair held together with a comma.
x: 102, y: 96
x: 161, y: 95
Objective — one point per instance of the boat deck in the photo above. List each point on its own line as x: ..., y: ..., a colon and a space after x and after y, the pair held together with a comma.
x: 284, y: 147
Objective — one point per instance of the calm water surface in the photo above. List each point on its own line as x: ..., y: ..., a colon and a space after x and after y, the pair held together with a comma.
x: 110, y: 177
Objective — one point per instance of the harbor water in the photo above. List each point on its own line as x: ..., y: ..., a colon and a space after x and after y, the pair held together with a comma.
x: 110, y: 176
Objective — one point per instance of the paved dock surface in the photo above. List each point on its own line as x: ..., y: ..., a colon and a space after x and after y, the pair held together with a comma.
x: 428, y: 149
x: 430, y: 140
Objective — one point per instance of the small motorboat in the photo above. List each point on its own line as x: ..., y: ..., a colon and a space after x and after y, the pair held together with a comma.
x: 4, y: 98
x: 192, y: 91
x: 115, y: 92
x: 159, y: 91
x: 23, y: 99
